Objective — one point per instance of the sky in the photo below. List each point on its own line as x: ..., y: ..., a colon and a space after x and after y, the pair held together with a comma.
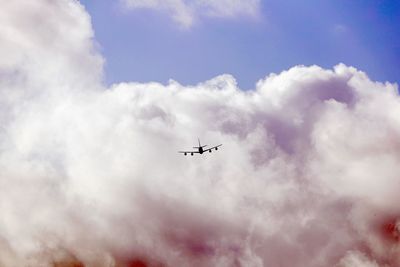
x: 90, y: 174
x: 145, y: 43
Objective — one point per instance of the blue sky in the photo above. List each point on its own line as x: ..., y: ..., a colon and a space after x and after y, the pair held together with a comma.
x: 145, y: 44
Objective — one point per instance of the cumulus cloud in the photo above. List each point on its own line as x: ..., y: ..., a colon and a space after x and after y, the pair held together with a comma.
x: 185, y: 12
x: 308, y: 174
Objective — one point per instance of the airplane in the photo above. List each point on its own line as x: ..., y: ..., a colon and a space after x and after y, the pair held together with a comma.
x: 200, y: 150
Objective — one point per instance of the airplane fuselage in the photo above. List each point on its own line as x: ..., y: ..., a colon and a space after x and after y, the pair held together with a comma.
x: 201, y: 150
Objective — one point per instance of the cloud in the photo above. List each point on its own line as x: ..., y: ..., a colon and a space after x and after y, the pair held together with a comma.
x: 185, y: 12
x: 58, y: 47
x: 340, y: 28
x: 90, y: 176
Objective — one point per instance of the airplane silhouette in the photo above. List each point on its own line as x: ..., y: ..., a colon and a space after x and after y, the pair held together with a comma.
x: 200, y: 150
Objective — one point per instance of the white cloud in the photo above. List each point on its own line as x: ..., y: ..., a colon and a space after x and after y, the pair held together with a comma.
x: 307, y: 175
x: 357, y: 260
x: 185, y: 12
x: 48, y: 41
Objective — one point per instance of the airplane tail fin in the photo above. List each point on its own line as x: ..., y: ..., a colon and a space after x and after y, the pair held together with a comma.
x: 198, y: 139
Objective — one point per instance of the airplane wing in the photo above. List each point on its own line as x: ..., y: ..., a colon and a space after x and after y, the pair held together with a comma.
x: 188, y: 152
x: 211, y: 148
